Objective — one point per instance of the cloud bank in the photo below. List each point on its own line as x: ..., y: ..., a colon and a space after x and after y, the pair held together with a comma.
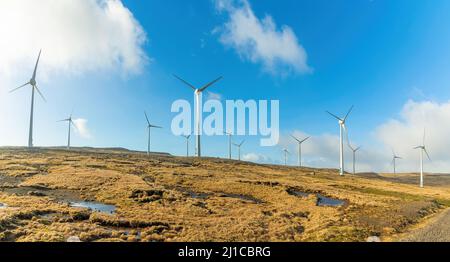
x: 81, y: 128
x: 259, y: 40
x: 75, y: 36
x: 400, y: 134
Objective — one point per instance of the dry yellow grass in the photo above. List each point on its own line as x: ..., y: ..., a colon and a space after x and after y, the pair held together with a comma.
x: 163, y: 198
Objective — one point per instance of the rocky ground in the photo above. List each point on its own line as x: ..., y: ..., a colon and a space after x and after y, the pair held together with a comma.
x: 135, y: 197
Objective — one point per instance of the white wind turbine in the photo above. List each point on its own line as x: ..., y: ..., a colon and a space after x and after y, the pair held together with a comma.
x: 422, y: 150
x: 197, y: 93
x: 149, y: 126
x: 300, y: 142
x: 354, y: 150
x: 34, y: 87
x: 229, y: 143
x: 187, y: 144
x: 286, y: 152
x: 394, y: 158
x: 239, y: 149
x: 70, y: 122
x: 342, y: 129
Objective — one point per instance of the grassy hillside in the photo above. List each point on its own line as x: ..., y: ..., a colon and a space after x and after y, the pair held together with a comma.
x: 165, y: 198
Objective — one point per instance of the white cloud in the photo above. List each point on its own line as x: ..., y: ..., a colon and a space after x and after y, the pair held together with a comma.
x: 213, y: 96
x: 256, y: 158
x: 75, y: 36
x: 259, y: 40
x: 406, y: 132
x: 81, y: 128
x: 400, y: 134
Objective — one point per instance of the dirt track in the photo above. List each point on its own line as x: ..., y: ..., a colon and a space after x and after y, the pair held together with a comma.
x: 437, y: 230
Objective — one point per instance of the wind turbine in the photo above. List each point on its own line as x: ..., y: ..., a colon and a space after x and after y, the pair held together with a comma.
x: 300, y: 142
x: 197, y: 93
x: 187, y: 144
x: 422, y: 150
x: 239, y: 149
x: 286, y: 152
x: 394, y: 158
x: 34, y: 87
x: 70, y: 122
x: 342, y: 129
x: 149, y: 126
x: 229, y: 143
x: 354, y: 150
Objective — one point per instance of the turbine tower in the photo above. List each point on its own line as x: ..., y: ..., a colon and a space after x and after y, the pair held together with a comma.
x: 229, y: 143
x: 354, y: 150
x: 342, y: 129
x: 422, y: 150
x: 239, y: 149
x: 394, y: 158
x: 286, y: 152
x: 187, y: 144
x: 34, y: 87
x: 149, y: 126
x: 198, y: 113
x: 70, y: 122
x: 300, y: 142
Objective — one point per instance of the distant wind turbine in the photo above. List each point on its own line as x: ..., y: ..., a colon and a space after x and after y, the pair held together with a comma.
x: 394, y: 158
x: 354, y: 150
x: 187, y: 144
x: 70, y: 123
x: 239, y: 149
x: 197, y: 92
x: 300, y: 142
x: 229, y: 143
x: 149, y: 126
x: 422, y: 150
x: 342, y: 129
x: 34, y: 87
x: 286, y: 152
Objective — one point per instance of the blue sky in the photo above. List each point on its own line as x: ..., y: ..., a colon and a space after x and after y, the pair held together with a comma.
x: 376, y: 55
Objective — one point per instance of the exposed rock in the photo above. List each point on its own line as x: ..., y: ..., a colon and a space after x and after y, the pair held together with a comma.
x: 73, y: 239
x: 373, y: 239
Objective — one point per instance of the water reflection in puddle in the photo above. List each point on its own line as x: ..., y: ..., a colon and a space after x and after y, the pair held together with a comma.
x: 327, y: 201
x: 94, y: 206
x: 3, y: 205
x: 321, y: 199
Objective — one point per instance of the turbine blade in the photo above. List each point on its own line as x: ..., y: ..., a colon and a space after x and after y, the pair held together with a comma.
x: 39, y: 92
x: 358, y: 148
x: 63, y: 120
x: 241, y: 143
x: 423, y: 140
x: 185, y: 82
x: 335, y: 116
x: 146, y: 117
x: 73, y: 124
x: 155, y: 126
x: 295, y: 138
x: 417, y: 147
x: 305, y: 139
x: 19, y: 87
x: 426, y: 152
x: 210, y: 84
x: 36, y: 66
x: 348, y: 113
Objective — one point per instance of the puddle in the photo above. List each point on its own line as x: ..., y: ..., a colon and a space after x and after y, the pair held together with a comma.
x: 94, y: 206
x: 298, y: 193
x: 2, y: 206
x: 321, y: 199
x: 242, y: 197
x: 327, y: 201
